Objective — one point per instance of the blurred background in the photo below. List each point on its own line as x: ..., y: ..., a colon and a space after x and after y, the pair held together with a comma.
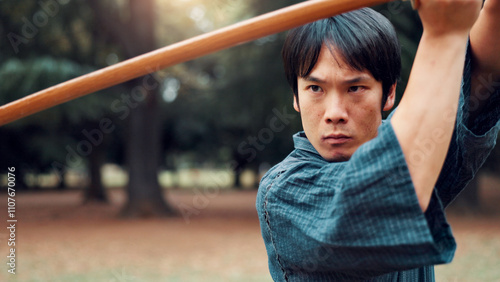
x: 155, y: 179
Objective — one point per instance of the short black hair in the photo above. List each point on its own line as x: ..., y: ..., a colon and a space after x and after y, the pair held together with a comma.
x: 364, y: 38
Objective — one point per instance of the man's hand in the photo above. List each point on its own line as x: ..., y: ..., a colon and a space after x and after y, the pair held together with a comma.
x: 443, y: 17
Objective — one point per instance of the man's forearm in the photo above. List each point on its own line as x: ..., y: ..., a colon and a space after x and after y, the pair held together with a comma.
x: 485, y: 46
x: 428, y: 108
x: 485, y: 39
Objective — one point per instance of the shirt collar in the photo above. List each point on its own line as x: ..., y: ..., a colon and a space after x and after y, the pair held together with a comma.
x: 301, y: 142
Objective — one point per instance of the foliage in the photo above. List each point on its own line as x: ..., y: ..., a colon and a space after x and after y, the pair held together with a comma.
x: 217, y: 104
x: 48, y: 42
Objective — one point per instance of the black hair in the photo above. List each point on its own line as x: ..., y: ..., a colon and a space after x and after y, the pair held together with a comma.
x: 363, y: 38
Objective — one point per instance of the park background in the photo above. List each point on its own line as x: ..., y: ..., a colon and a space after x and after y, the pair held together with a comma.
x: 155, y: 179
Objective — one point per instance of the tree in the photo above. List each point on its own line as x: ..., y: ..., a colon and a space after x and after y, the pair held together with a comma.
x: 238, y: 92
x: 43, y: 137
x: 133, y: 26
x: 49, y: 43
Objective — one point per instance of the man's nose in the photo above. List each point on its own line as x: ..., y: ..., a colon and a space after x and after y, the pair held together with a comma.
x: 336, y: 110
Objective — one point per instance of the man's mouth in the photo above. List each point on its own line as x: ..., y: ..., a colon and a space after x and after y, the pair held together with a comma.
x: 336, y: 139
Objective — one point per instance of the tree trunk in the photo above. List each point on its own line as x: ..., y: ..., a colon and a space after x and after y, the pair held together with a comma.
x: 145, y: 196
x: 143, y: 151
x: 95, y: 191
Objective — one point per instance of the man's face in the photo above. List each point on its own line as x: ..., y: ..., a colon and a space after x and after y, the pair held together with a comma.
x: 339, y: 107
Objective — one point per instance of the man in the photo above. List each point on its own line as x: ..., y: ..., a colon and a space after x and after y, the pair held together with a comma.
x: 362, y: 199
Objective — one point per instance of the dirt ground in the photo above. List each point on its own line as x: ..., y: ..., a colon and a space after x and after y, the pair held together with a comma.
x: 60, y: 239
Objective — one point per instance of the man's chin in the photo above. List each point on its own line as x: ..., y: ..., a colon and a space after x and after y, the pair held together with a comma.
x: 336, y: 157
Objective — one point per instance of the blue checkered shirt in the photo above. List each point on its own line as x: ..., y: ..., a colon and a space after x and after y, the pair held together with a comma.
x: 360, y: 220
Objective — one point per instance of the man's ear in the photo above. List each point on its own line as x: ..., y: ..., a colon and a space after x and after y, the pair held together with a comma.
x: 391, y: 98
x: 296, y: 105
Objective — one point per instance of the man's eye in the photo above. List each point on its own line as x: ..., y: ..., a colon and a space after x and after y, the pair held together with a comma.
x: 355, y: 88
x: 315, y: 88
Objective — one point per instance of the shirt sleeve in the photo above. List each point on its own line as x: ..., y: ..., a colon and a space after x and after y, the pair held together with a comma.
x: 379, y: 207
x: 472, y: 140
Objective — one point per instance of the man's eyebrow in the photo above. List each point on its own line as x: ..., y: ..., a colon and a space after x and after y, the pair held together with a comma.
x: 311, y: 78
x: 358, y: 79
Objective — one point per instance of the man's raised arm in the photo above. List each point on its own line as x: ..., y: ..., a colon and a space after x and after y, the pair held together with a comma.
x: 485, y: 46
x: 431, y: 97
